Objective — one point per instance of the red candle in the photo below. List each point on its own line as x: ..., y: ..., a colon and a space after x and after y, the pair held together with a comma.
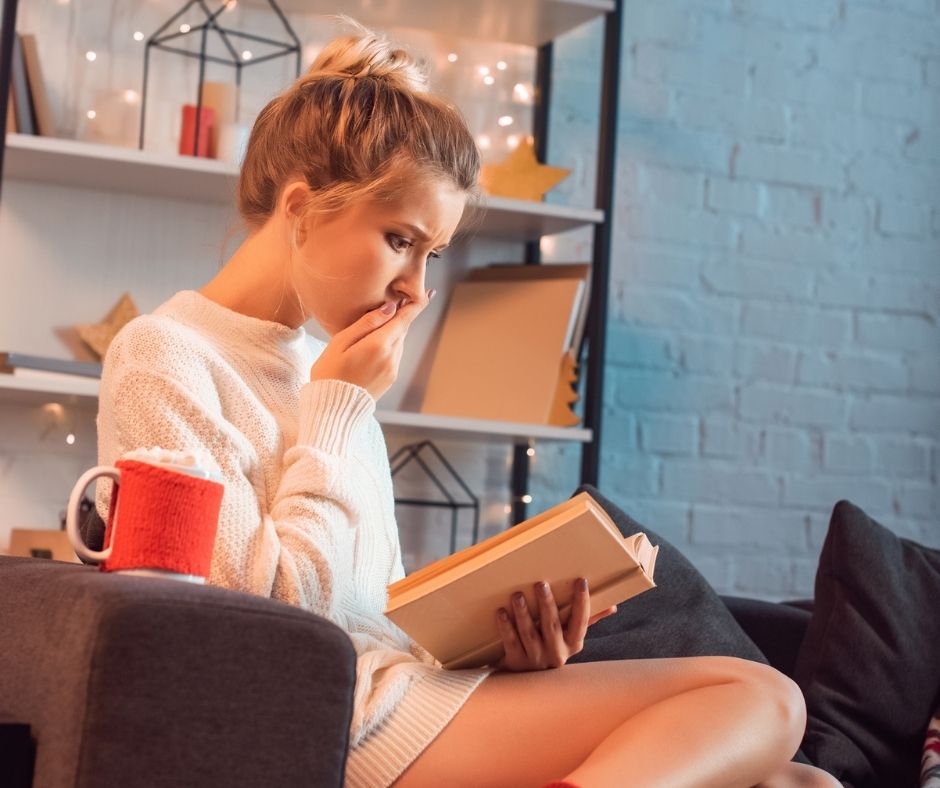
x: 188, y: 131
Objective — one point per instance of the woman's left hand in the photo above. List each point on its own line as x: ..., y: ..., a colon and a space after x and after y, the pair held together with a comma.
x: 549, y: 644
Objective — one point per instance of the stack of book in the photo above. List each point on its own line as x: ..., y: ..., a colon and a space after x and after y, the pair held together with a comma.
x: 28, y: 111
x: 509, y: 345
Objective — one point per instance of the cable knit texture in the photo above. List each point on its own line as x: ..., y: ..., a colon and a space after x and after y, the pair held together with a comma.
x: 307, y: 516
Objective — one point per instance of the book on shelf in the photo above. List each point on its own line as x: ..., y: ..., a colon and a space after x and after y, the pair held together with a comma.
x: 42, y: 111
x: 503, y: 271
x: 10, y: 363
x: 22, y: 102
x: 505, y: 348
x: 449, y: 607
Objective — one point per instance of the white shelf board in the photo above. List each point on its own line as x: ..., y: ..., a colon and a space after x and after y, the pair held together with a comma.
x: 26, y: 385
x: 481, y: 429
x: 33, y: 384
x: 528, y: 22
x: 90, y: 165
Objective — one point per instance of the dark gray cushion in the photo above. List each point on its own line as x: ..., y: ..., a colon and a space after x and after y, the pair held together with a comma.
x: 682, y: 617
x: 138, y: 681
x: 869, y: 666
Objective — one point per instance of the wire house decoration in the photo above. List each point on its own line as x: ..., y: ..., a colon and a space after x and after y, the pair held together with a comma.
x: 161, y: 39
x: 414, y: 453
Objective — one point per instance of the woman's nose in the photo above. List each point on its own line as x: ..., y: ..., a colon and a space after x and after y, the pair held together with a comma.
x: 412, y: 286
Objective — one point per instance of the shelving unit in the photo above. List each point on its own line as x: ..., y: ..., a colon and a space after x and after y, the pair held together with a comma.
x: 89, y: 165
x: 531, y: 22
x: 34, y: 386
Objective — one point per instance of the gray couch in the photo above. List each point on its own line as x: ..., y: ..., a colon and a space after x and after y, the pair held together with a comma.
x: 133, y: 681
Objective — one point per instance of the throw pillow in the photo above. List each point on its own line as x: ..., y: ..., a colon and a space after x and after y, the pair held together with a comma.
x: 682, y: 617
x: 869, y: 665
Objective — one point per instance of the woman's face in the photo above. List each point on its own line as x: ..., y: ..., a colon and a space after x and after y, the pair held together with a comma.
x: 353, y: 261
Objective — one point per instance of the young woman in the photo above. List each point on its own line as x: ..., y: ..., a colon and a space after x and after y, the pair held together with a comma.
x: 353, y: 179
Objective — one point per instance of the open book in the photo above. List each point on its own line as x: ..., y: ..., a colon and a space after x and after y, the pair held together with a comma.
x: 449, y: 607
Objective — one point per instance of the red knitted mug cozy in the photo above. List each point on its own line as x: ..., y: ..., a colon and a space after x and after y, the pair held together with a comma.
x: 165, y: 520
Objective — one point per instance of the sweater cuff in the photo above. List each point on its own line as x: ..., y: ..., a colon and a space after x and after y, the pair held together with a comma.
x: 331, y: 411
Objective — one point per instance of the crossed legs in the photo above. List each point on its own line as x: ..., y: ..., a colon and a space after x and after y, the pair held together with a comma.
x: 694, y: 721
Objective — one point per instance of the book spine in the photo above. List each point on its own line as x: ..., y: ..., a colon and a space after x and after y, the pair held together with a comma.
x: 37, y: 86
x: 21, y: 97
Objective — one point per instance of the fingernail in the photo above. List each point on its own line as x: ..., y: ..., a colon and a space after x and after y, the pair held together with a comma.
x: 582, y: 584
x: 519, y: 599
x: 542, y: 588
x: 388, y: 307
x: 503, y: 615
x: 431, y: 293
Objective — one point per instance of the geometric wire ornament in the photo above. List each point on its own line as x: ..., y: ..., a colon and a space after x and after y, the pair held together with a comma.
x: 414, y: 453
x: 231, y: 58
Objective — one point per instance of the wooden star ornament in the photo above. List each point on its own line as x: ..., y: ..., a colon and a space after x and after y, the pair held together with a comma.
x: 99, y: 335
x: 521, y: 176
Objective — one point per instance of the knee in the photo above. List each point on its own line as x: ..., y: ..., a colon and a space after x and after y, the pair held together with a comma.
x: 782, y: 699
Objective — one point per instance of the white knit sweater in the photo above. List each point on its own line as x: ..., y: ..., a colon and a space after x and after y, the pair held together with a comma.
x: 308, y: 511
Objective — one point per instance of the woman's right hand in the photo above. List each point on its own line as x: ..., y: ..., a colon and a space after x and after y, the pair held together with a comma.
x: 368, y: 352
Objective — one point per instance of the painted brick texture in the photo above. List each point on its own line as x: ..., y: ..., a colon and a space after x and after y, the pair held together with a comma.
x: 773, y: 340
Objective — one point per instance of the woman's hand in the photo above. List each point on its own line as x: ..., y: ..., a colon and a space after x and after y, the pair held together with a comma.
x: 368, y: 352
x: 549, y: 644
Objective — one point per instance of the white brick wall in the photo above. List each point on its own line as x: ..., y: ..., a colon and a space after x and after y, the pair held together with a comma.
x: 775, y: 283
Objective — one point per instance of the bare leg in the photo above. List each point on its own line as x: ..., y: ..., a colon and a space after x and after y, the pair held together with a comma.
x: 799, y: 775
x: 693, y: 721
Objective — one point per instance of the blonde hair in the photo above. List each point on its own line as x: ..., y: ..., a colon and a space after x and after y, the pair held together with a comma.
x: 360, y: 123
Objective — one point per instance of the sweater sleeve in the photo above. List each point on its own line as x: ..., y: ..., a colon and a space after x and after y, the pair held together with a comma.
x: 301, y: 551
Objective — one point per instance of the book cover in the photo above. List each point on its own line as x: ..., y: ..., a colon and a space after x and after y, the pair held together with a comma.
x: 500, y: 350
x: 502, y: 271
x: 449, y: 607
x: 37, y: 86
x: 25, y: 120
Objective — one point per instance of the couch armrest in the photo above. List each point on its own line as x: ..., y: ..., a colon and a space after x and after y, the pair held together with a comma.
x: 146, y: 681
x: 777, y: 628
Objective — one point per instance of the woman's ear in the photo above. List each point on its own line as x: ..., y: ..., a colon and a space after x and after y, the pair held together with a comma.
x: 291, y: 208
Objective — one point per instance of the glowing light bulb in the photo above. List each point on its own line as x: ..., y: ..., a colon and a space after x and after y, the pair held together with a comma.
x: 505, y: 120
x: 521, y: 93
x: 527, y: 499
x: 512, y: 141
x: 502, y: 65
x: 484, y: 141
x: 246, y: 55
x: 91, y: 114
x: 70, y: 439
x: 483, y: 71
x: 530, y: 451
x: 91, y: 56
x: 138, y: 36
x: 488, y: 80
x: 507, y: 509
x: 130, y: 96
x: 452, y: 57
x: 184, y: 28
x: 230, y: 5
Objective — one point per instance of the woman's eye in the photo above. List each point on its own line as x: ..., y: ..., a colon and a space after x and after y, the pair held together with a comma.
x: 397, y: 242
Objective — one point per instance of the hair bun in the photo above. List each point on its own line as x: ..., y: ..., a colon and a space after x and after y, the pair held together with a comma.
x: 367, y: 54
